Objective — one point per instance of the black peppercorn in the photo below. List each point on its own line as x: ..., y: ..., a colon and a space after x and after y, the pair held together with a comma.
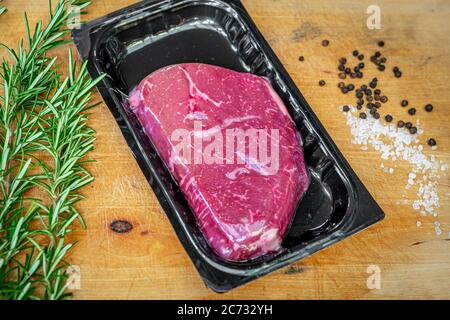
x: 377, y: 54
x: 361, y: 57
x: 413, y: 130
x: 322, y: 83
x: 341, y: 85
x: 377, y: 105
x: 359, y: 94
x: 377, y: 91
x: 383, y: 99
x: 301, y: 58
x: 362, y: 115
x: 431, y: 142
x: 350, y: 87
x: 345, y: 108
x: 412, y: 111
x: 325, y: 43
x: 388, y: 118
x: 373, y: 84
x: 341, y: 67
x: 342, y: 75
x: 361, y: 65
x: 355, y: 53
x: 408, y: 125
x: 381, y: 67
x: 429, y: 108
x: 342, y: 60
x: 404, y: 103
x: 381, y: 43
x: 400, y: 124
x: 359, y: 107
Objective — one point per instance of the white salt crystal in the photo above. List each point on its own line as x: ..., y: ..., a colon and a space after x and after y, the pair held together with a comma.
x: 395, y: 144
x: 438, y: 230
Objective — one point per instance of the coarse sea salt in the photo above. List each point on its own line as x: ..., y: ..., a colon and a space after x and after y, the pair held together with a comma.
x: 395, y: 144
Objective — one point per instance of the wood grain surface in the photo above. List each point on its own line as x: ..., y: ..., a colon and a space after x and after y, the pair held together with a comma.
x: 150, y: 263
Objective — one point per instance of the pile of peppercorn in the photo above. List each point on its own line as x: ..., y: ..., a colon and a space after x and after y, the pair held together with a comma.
x: 370, y: 95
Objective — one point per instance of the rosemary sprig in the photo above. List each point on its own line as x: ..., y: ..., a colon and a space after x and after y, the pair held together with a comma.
x: 67, y: 140
x: 2, y: 9
x: 41, y: 114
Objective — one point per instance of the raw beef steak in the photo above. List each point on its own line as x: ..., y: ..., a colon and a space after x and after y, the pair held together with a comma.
x: 243, y: 201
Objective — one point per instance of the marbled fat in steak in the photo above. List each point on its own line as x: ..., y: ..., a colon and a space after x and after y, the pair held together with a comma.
x: 242, y: 207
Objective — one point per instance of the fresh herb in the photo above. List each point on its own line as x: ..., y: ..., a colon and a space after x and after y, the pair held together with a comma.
x: 2, y: 9
x: 44, y: 138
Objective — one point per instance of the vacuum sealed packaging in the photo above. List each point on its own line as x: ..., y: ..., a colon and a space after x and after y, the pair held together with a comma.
x: 247, y: 175
x: 233, y: 150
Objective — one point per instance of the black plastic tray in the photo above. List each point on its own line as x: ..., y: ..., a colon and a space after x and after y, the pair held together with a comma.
x: 131, y: 43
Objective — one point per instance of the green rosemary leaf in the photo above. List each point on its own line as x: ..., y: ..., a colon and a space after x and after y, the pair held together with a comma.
x: 43, y: 126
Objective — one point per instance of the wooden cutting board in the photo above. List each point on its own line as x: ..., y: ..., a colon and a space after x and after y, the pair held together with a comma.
x: 149, y: 262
